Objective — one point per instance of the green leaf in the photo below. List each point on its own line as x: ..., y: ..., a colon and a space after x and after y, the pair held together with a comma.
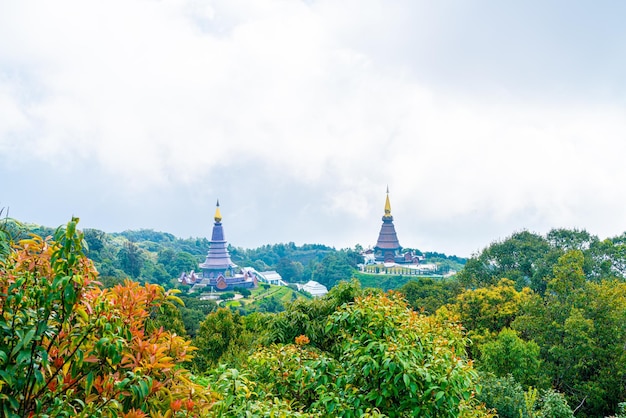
x: 406, y: 379
x: 6, y: 377
x: 28, y: 337
x: 439, y: 395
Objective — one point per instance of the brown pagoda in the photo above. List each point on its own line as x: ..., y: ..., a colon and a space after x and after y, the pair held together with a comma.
x: 387, y: 247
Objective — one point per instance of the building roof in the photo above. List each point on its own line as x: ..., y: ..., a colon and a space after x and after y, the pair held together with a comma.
x: 271, y: 275
x: 314, y: 288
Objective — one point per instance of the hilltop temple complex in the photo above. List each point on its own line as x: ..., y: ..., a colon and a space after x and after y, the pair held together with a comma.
x: 219, y: 273
x: 388, y: 252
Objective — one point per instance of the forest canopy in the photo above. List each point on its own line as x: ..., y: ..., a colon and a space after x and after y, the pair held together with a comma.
x: 532, y: 326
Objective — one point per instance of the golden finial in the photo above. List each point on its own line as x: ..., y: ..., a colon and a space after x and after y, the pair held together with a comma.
x: 218, y: 215
x: 387, y: 204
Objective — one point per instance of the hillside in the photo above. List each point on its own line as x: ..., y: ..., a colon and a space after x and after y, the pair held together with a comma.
x: 161, y: 257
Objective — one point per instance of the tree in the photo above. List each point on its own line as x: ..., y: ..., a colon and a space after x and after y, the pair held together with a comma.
x: 95, y: 240
x: 504, y: 394
x: 402, y: 362
x: 508, y: 354
x: 271, y: 304
x: 490, y: 308
x: 334, y: 268
x: 309, y: 317
x: 70, y: 348
x: 218, y: 333
x: 243, y: 291
x: 580, y: 330
x: 183, y: 262
x: 571, y: 239
x: 130, y: 259
x: 290, y: 271
x: 5, y: 238
x: 382, y: 359
x: 515, y: 258
x: 427, y: 294
x: 607, y: 259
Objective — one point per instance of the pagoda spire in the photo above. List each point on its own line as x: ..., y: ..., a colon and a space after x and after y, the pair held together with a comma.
x: 387, y: 205
x: 218, y: 215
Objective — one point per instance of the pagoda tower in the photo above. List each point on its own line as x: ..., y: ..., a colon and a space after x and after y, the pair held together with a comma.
x: 218, y: 270
x: 218, y: 259
x: 387, y: 247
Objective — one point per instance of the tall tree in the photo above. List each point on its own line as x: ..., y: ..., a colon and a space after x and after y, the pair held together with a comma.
x: 218, y: 333
x: 580, y: 329
x: 334, y: 268
x: 130, y: 259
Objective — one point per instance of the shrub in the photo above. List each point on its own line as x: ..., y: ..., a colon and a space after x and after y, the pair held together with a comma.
x: 70, y: 348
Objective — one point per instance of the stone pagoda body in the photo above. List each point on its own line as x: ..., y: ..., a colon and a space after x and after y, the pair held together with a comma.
x: 388, y: 249
x: 218, y: 271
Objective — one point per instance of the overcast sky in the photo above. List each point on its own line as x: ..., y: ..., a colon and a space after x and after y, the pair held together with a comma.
x: 483, y: 118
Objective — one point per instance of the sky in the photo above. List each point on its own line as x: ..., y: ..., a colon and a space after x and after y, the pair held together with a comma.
x: 483, y: 118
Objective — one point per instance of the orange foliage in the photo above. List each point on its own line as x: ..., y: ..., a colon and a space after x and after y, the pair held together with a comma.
x: 91, y: 344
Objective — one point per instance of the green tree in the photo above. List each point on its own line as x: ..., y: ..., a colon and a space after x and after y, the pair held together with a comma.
x: 6, y: 238
x: 95, y: 240
x: 271, y: 304
x: 508, y: 354
x: 381, y: 358
x: 309, y: 317
x: 182, y: 262
x: 427, y: 294
x: 155, y: 273
x: 402, y: 362
x: 515, y: 258
x: 290, y: 271
x: 571, y: 239
x: 130, y: 259
x: 335, y: 267
x: 490, y: 308
x: 218, y: 333
x: 580, y: 330
x: 243, y: 291
x: 504, y: 394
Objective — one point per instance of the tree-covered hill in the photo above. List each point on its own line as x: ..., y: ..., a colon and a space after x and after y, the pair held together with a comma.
x: 160, y: 257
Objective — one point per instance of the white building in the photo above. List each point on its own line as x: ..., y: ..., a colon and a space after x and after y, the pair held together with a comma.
x: 314, y: 288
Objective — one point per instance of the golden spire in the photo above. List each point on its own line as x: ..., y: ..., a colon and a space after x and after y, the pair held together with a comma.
x: 218, y: 215
x: 387, y: 205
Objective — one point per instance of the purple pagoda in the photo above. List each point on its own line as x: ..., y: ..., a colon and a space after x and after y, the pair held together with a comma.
x: 218, y: 271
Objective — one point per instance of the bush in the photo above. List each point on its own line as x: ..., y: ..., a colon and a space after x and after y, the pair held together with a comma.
x: 381, y: 358
x: 243, y: 291
x: 69, y: 347
x: 227, y: 295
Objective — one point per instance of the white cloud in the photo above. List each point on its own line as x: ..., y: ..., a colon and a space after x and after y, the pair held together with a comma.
x: 334, y: 97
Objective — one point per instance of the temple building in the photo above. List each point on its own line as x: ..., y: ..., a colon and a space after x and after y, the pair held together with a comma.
x: 388, y: 249
x: 219, y: 273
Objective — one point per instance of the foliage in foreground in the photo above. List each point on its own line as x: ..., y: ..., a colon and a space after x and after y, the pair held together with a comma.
x: 70, y: 348
x: 384, y: 360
